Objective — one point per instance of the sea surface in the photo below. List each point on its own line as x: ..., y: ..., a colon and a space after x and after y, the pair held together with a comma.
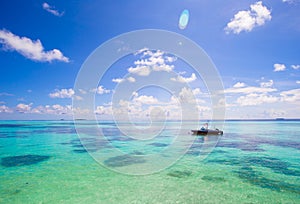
x: 47, y: 162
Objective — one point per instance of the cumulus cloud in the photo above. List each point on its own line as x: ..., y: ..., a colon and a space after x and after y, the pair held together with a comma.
x: 55, y: 109
x: 5, y: 109
x: 182, y: 79
x: 298, y: 82
x: 103, y: 110
x: 248, y: 19
x: 196, y: 91
x: 143, y: 99
x: 267, y: 84
x: 52, y: 10
x: 120, y: 80
x: 131, y: 79
x: 292, y: 95
x: 63, y: 93
x: 249, y: 89
x: 254, y: 99
x: 117, y: 80
x: 290, y: 1
x: 101, y: 90
x: 239, y: 85
x: 279, y: 67
x: 295, y: 66
x: 23, y: 108
x: 187, y: 96
x: 139, y: 70
x: 151, y: 61
x: 30, y: 49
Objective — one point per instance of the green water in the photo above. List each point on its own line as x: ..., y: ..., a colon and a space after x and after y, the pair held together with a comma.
x: 45, y: 162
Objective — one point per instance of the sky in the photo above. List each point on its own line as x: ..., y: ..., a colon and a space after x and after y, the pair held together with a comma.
x: 254, y: 45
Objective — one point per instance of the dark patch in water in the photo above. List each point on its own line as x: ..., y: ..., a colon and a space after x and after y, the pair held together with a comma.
x: 213, y: 178
x: 124, y: 160
x: 111, y: 131
x: 254, y: 141
x: 179, y: 174
x: 17, y: 191
x: 137, y: 153
x: 274, y: 164
x: 80, y: 151
x: 245, y: 146
x: 84, y: 150
x: 12, y: 125
x: 84, y: 145
x: 119, y: 138
x: 231, y: 162
x: 256, y: 178
x: 219, y: 151
x: 157, y: 144
x: 247, y: 173
x: 55, y: 130
x: 23, y: 160
x: 16, y: 135
x: 78, y: 146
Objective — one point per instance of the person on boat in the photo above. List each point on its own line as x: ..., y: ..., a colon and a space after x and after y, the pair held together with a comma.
x: 205, y: 126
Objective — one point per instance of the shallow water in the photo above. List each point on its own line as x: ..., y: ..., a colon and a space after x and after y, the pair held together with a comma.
x: 46, y: 162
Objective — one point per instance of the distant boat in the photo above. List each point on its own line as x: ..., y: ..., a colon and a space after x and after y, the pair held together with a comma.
x: 206, y: 131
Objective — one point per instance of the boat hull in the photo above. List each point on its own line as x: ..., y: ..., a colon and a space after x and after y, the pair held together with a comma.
x: 207, y: 132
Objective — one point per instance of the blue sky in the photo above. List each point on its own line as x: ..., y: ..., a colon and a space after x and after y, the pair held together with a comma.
x: 255, y: 46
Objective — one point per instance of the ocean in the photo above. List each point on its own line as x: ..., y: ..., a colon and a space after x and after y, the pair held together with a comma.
x: 47, y: 162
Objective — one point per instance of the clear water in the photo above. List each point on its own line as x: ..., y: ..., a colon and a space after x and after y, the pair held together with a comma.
x: 253, y: 162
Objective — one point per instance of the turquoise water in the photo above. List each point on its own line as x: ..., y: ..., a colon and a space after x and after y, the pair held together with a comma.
x: 46, y: 162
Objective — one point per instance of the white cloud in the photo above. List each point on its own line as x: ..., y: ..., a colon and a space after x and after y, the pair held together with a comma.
x: 139, y: 70
x: 23, y: 108
x: 101, y: 90
x: 6, y: 94
x: 298, y: 82
x: 239, y: 85
x: 30, y: 49
x: 117, y: 80
x: 103, y: 110
x: 182, y: 79
x: 82, y: 91
x: 163, y: 67
x: 250, y: 89
x: 279, y: 67
x: 55, y: 109
x: 296, y: 66
x: 143, y: 99
x: 51, y: 9
x: 135, y: 94
x: 292, y: 95
x: 267, y: 84
x: 63, y: 93
x: 289, y: 1
x: 247, y: 20
x: 196, y: 91
x: 120, y: 80
x: 78, y: 98
x: 5, y: 109
x: 187, y: 96
x: 131, y: 79
x: 151, y: 61
x: 254, y: 99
